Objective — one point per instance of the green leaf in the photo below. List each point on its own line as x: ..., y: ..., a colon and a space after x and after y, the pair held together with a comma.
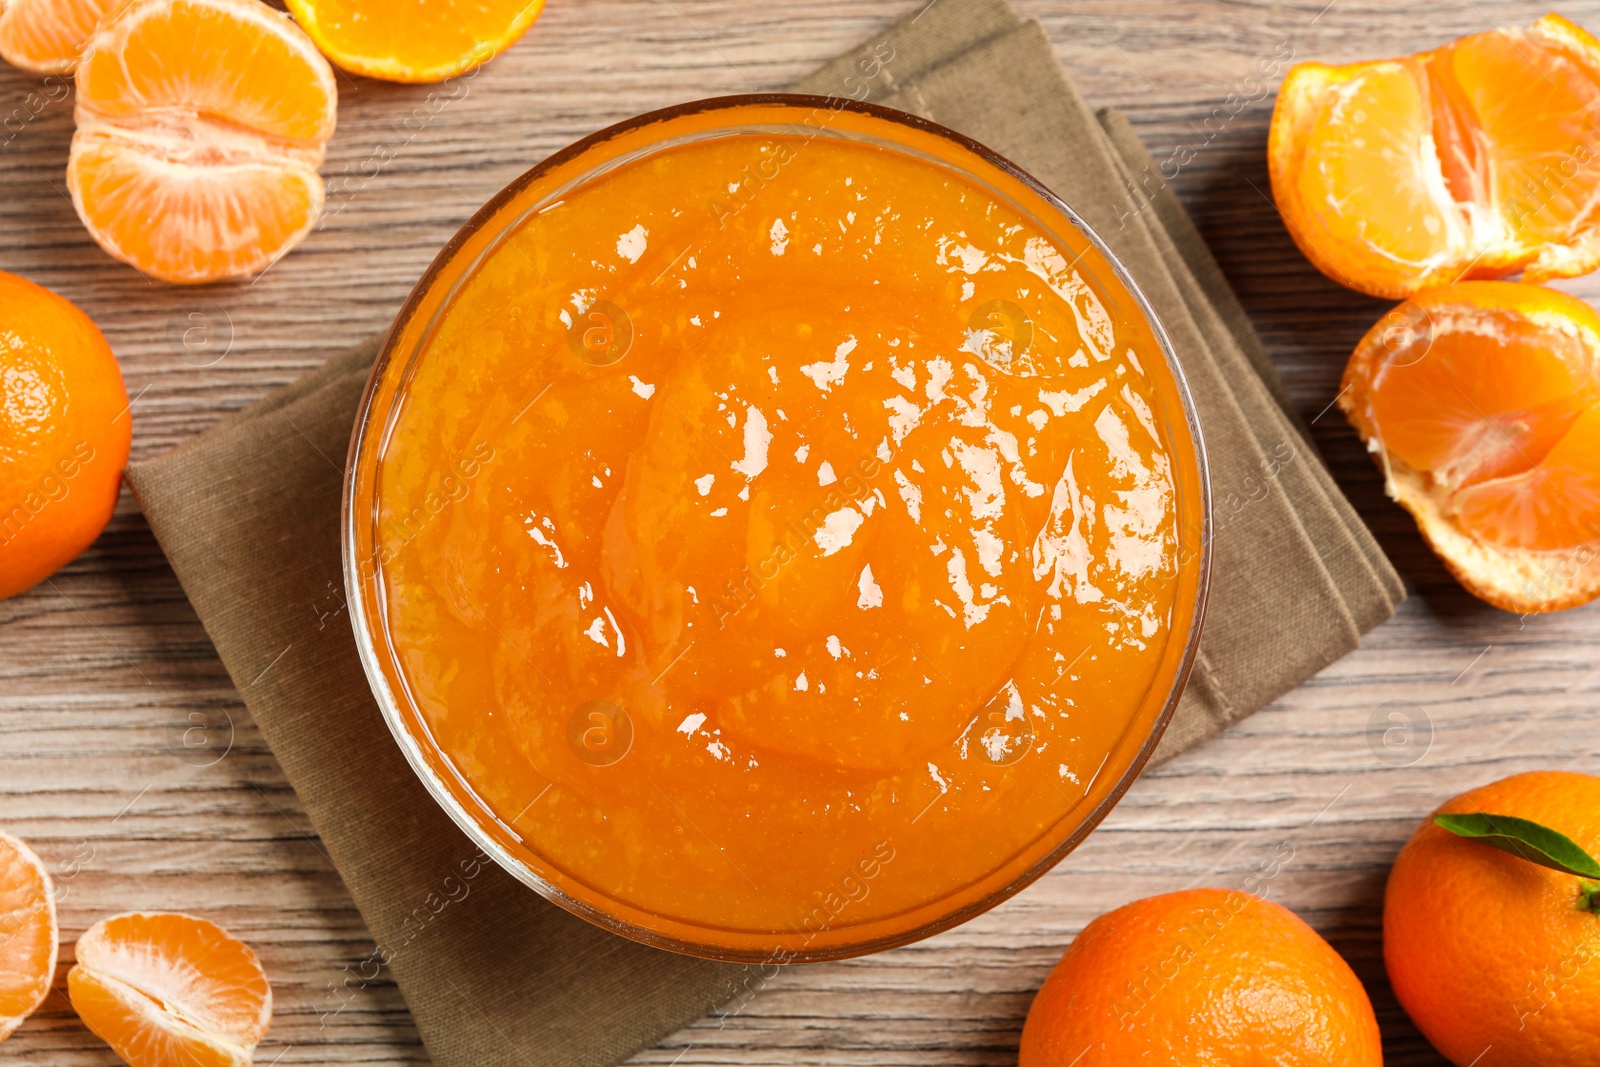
x: 1524, y: 839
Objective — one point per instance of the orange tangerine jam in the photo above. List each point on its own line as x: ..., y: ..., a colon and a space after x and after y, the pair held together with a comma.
x: 778, y: 535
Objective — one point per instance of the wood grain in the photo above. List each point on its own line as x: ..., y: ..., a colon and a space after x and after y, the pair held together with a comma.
x: 104, y: 667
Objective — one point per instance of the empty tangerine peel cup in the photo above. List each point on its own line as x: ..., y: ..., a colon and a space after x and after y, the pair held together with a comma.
x: 777, y: 529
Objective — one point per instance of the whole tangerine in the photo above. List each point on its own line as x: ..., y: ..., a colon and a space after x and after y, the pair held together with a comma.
x: 1204, y: 976
x: 1496, y: 959
x: 65, y: 429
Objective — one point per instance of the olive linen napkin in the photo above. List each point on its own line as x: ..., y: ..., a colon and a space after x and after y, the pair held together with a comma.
x: 248, y: 514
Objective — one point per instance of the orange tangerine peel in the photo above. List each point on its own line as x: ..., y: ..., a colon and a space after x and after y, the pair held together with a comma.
x: 200, y: 127
x: 414, y: 40
x: 1478, y: 159
x: 1481, y: 403
x: 165, y: 988
x: 1202, y: 976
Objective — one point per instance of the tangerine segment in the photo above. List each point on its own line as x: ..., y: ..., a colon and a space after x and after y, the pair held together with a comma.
x: 414, y: 40
x: 1365, y: 130
x: 1557, y: 502
x: 166, y: 988
x: 48, y: 36
x: 1467, y: 412
x: 185, y: 223
x: 139, y: 1030
x: 28, y: 940
x: 1484, y: 410
x: 200, y: 123
x: 1477, y: 159
x: 230, y: 62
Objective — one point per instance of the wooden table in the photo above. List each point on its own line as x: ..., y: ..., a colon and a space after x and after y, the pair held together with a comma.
x: 102, y: 668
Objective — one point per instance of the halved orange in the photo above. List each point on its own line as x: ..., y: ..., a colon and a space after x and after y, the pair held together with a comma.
x: 1478, y: 159
x: 414, y: 40
x: 1481, y: 402
x: 48, y: 36
x: 201, y: 124
x: 164, y: 988
x: 27, y: 933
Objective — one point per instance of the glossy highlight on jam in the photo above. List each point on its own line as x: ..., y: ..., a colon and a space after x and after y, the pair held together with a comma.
x: 780, y: 540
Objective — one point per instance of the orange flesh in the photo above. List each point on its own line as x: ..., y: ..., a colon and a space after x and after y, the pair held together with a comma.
x: 196, y: 170
x: 260, y: 75
x: 414, y: 40
x: 48, y: 36
x: 1532, y: 104
x: 1477, y: 159
x: 166, y: 988
x: 869, y: 583
x: 27, y: 933
x: 1554, y: 506
x: 1499, y: 410
x: 137, y: 1029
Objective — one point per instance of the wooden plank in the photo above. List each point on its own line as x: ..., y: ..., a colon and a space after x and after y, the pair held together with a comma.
x: 103, y: 668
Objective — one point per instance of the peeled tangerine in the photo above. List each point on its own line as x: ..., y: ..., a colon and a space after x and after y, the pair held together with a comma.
x: 201, y: 124
x: 164, y: 989
x: 1481, y: 401
x: 27, y: 933
x: 48, y: 36
x: 1474, y: 160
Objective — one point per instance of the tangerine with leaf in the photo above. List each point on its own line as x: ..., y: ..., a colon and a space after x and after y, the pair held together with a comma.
x: 1491, y: 923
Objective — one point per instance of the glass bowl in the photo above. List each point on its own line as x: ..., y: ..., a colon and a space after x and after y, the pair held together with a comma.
x: 870, y: 905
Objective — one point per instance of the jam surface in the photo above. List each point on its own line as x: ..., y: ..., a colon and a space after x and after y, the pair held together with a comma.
x: 775, y: 521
